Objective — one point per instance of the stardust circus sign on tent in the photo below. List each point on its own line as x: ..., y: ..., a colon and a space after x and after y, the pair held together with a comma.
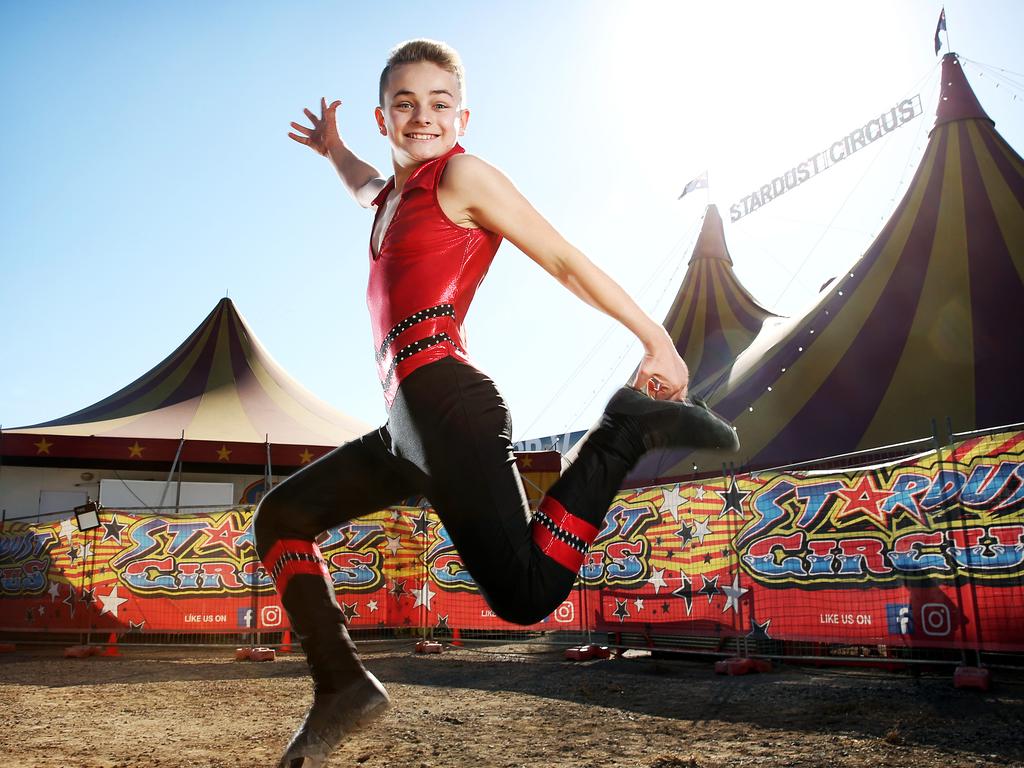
x: 874, y: 129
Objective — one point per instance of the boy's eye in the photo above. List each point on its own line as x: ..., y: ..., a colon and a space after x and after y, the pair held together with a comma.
x: 403, y: 105
x: 440, y: 106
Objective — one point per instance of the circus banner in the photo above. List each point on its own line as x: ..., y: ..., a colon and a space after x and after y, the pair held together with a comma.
x: 928, y: 551
x: 859, y: 138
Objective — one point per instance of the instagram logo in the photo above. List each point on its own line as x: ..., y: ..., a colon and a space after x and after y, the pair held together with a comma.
x: 935, y: 619
x: 565, y: 613
x: 270, y: 615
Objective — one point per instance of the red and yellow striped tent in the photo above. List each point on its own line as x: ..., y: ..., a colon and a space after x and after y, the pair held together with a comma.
x: 220, y: 389
x: 926, y: 325
x: 713, y: 317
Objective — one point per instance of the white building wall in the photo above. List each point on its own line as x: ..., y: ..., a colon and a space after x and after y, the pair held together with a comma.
x: 20, y: 487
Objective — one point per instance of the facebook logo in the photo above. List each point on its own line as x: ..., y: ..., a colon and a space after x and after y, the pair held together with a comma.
x: 900, y: 620
x: 245, y: 617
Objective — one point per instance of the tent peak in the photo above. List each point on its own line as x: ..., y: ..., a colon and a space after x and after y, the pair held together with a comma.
x: 956, y: 97
x: 711, y: 240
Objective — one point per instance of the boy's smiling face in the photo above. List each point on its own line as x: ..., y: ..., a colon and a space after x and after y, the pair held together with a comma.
x: 422, y: 114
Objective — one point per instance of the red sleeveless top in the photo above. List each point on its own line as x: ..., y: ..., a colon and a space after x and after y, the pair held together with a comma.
x: 424, y: 278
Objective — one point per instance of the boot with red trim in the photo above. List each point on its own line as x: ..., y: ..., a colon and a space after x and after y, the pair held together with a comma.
x: 345, y: 695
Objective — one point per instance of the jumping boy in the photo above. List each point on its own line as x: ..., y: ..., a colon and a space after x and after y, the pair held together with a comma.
x: 438, y: 222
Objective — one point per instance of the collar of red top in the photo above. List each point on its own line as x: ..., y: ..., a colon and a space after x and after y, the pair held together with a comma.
x: 421, y: 177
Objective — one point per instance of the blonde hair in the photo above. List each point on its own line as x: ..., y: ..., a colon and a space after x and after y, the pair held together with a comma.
x: 434, y: 51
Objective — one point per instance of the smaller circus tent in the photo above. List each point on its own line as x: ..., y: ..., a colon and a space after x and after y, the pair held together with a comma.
x: 713, y: 317
x: 923, y: 327
x: 219, y: 402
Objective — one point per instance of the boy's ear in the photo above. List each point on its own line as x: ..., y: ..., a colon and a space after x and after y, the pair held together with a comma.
x: 378, y: 114
x: 463, y: 122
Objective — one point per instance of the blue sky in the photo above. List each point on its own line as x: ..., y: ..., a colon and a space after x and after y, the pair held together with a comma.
x: 146, y: 172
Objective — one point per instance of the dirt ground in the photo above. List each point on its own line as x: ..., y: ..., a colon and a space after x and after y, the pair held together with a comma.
x: 508, y: 707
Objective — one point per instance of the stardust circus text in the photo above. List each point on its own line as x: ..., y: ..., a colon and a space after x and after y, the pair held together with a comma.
x: 905, y: 111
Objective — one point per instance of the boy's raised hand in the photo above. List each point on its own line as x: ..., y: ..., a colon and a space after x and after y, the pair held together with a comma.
x: 324, y: 133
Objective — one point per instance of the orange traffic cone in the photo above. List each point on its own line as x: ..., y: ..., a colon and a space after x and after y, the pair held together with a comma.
x: 112, y: 646
x: 456, y: 638
x: 286, y: 642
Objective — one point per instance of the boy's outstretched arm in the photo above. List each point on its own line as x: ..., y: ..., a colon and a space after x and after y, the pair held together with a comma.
x: 493, y: 202
x: 361, y: 179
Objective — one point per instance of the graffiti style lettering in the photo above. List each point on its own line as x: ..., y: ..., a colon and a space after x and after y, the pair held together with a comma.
x: 139, y: 575
x: 627, y: 563
x: 944, y: 489
x: 623, y: 522
x: 997, y: 548
x: 443, y: 543
x: 857, y: 555
x: 761, y: 556
x: 27, y: 578
x: 14, y: 548
x: 908, y: 554
x: 220, y: 576
x: 355, y: 570
x: 825, y: 563
x: 1017, y: 497
x: 985, y: 483
x: 364, y: 534
x: 593, y: 567
x: 905, y: 492
x: 449, y: 572
x: 815, y: 498
x: 768, y: 510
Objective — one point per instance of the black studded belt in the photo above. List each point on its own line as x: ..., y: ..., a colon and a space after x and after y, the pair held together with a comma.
x: 441, y: 310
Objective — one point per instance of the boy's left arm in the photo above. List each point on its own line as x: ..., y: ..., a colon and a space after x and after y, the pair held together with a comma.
x: 491, y: 201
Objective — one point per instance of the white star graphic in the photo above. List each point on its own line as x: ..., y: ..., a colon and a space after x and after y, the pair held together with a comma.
x: 111, y: 602
x: 698, y: 492
x: 371, y: 606
x: 639, y: 603
x: 657, y: 579
x: 67, y: 530
x: 42, y: 609
x: 671, y: 502
x: 86, y: 551
x: 394, y: 544
x: 54, y: 591
x: 733, y: 592
x: 423, y: 596
x: 702, y: 529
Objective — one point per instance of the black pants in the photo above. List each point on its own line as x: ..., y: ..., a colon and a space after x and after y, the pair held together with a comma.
x: 448, y: 437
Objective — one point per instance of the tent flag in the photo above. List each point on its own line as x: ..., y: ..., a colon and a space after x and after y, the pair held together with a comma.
x: 940, y: 27
x: 701, y: 182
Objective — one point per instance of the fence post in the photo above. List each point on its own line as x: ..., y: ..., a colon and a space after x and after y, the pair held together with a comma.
x: 971, y: 582
x: 957, y: 586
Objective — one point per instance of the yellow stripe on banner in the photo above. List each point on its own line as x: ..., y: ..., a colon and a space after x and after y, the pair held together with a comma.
x: 1009, y: 214
x: 220, y: 415
x: 937, y: 363
x: 772, y: 411
x: 677, y: 313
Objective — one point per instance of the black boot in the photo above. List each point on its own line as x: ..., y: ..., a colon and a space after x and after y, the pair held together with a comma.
x: 331, y: 718
x: 345, y: 695
x: 670, y: 423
